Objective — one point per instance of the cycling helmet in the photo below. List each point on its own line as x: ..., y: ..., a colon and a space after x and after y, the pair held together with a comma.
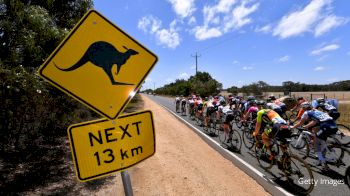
x: 268, y: 100
x: 320, y: 100
x: 306, y: 105
x: 206, y: 98
x: 252, y: 102
x: 249, y: 98
x: 222, y: 102
x: 300, y: 98
x: 260, y: 102
x: 271, y: 97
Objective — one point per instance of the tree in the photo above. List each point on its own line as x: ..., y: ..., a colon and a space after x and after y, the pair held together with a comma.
x: 31, y: 30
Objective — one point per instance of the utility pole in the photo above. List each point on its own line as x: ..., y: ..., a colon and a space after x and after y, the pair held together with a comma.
x: 196, y: 56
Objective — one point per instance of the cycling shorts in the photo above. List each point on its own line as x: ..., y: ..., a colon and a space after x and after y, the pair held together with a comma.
x: 279, y: 131
x: 327, y: 129
x: 334, y: 114
x: 227, y: 118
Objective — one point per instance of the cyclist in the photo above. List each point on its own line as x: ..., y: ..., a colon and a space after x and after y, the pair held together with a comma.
x: 226, y: 114
x: 183, y: 104
x: 273, y: 119
x: 251, y: 112
x: 246, y: 104
x: 191, y: 105
x: 177, y: 102
x: 322, y: 126
x: 198, y: 106
x: 208, y: 109
x: 273, y: 106
x: 330, y: 109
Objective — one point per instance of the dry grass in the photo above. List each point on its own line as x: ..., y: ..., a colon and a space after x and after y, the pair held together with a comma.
x: 344, y: 109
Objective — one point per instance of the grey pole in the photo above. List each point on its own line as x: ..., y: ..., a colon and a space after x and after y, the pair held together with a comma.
x: 126, y: 183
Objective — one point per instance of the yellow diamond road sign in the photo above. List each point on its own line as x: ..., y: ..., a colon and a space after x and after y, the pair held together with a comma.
x: 104, y: 146
x: 99, y: 65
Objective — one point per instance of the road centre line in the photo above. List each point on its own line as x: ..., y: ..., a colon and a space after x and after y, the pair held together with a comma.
x: 232, y: 154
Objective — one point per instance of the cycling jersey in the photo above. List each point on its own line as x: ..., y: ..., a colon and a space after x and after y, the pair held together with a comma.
x: 326, y: 107
x: 316, y: 115
x: 267, y: 115
x: 183, y: 101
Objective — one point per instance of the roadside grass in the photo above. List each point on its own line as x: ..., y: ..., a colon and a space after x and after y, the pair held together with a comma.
x: 344, y: 109
x: 50, y: 170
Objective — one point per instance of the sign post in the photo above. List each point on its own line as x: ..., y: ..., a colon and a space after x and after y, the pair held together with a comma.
x: 102, y: 67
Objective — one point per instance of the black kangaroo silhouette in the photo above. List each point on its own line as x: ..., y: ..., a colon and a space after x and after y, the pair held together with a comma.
x: 104, y: 55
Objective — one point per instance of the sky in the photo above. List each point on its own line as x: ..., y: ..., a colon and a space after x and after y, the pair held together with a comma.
x: 239, y: 41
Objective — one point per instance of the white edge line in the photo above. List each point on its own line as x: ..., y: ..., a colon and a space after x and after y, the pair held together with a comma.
x: 233, y: 155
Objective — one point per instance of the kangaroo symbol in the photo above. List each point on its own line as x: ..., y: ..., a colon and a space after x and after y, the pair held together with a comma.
x: 104, y: 55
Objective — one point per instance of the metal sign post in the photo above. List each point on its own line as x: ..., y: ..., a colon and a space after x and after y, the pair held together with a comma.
x: 126, y: 183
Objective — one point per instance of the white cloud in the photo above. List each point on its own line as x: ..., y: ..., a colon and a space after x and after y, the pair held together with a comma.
x: 169, y: 37
x: 193, y: 67
x: 239, y: 17
x: 320, y: 68
x: 348, y: 53
x: 284, y: 59
x: 184, y: 76
x: 223, y: 17
x: 301, y: 21
x: 183, y: 8
x: 328, y: 23
x: 319, y: 51
x: 264, y: 29
x: 203, y: 33
x: 148, y: 80
x: 235, y: 62
x: 247, y: 68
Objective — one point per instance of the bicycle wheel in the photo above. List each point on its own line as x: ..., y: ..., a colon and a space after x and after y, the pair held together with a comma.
x: 236, y: 141
x: 344, y: 134
x: 222, y: 135
x: 295, y: 168
x: 248, y: 138
x: 199, y: 121
x: 300, y: 146
x: 262, y: 155
x: 335, y: 151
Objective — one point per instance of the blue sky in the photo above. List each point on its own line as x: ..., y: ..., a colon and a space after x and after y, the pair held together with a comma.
x: 239, y: 41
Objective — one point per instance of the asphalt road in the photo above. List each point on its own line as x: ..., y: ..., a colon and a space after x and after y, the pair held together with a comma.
x: 330, y: 183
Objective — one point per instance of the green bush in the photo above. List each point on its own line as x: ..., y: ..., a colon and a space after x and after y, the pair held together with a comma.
x: 32, y: 112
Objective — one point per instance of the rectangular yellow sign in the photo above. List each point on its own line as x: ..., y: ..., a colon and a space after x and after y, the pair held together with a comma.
x: 102, y: 147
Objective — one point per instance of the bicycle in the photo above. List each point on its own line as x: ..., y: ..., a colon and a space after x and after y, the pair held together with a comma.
x: 183, y: 109
x: 191, y: 112
x: 303, y: 139
x: 177, y: 106
x: 293, y: 167
x: 247, y: 134
x: 232, y: 140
